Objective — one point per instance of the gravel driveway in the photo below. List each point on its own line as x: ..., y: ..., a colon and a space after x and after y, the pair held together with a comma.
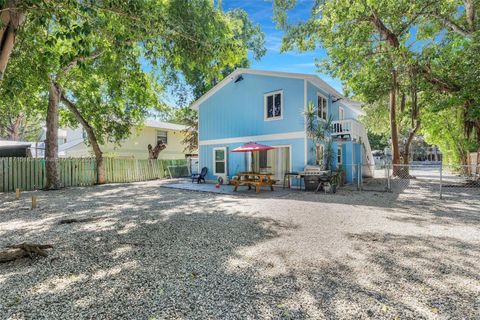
x: 158, y: 253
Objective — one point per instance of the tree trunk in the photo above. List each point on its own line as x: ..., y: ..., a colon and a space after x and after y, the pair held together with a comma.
x: 92, y: 138
x: 393, y: 124
x: 10, y: 21
x: 24, y: 250
x: 477, y: 168
x: 470, y: 14
x: 51, y: 143
x: 13, y: 129
x: 406, y: 150
x: 154, y: 152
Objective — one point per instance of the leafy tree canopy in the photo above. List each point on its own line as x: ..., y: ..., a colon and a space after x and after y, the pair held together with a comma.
x: 432, y: 46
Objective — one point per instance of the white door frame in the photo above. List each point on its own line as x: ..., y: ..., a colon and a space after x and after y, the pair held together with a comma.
x: 225, y: 160
x: 289, y: 146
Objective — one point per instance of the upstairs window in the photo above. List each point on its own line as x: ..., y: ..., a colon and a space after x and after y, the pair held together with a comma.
x: 339, y: 156
x: 322, y: 105
x: 273, y: 105
x: 162, y: 136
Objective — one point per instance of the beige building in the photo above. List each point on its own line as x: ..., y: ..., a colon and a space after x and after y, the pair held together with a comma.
x: 134, y: 146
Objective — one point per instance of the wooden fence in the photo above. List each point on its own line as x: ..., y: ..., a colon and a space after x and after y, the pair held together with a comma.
x: 29, y: 173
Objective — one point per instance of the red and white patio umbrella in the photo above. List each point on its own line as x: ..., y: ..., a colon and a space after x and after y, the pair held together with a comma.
x: 253, y: 147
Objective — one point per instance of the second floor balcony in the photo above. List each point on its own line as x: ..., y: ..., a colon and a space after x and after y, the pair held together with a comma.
x: 351, y: 127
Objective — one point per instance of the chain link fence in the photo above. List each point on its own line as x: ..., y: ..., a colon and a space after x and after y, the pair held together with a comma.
x: 422, y: 180
x: 460, y: 180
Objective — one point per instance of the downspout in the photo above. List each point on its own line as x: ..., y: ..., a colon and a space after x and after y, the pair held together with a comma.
x: 305, y: 120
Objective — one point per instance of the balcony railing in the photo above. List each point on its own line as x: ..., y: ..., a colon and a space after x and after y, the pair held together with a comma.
x: 357, y: 132
x: 351, y: 127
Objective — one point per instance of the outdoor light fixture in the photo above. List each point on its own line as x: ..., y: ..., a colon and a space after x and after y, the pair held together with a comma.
x: 338, y: 99
x: 239, y: 78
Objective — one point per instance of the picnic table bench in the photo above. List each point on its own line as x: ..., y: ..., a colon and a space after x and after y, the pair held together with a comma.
x: 253, y: 179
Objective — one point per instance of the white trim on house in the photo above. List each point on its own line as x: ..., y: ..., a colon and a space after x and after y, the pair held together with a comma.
x: 164, y: 125
x: 289, y: 146
x: 265, y: 107
x: 319, y: 94
x: 315, y: 80
x: 266, y: 137
x: 225, y: 161
x: 304, y: 120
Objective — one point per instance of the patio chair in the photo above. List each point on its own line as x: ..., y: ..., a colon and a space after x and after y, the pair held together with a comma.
x: 200, y: 176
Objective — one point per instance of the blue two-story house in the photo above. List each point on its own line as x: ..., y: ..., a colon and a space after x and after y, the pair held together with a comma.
x: 268, y: 107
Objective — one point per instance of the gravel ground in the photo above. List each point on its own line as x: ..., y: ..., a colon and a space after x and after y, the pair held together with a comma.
x: 159, y: 253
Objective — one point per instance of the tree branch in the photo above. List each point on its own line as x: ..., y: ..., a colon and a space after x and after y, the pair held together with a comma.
x: 88, y: 128
x: 470, y: 14
x: 76, y: 60
x: 384, y: 31
x: 450, y: 24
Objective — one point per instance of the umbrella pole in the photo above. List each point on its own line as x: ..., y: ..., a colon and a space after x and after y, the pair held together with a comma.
x: 251, y: 156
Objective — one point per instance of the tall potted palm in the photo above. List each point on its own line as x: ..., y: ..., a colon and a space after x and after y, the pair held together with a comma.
x: 319, y: 131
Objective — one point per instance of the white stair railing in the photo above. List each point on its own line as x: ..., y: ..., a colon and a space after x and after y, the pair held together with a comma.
x: 357, y: 131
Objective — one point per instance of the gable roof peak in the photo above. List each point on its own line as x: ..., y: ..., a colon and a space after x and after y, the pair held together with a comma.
x: 314, y: 79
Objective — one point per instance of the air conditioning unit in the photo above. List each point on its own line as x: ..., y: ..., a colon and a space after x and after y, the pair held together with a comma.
x: 223, y: 179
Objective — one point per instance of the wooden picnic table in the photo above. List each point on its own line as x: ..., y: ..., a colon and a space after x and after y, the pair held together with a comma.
x: 255, y: 179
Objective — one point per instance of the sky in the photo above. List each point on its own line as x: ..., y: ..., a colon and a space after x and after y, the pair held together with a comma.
x: 261, y: 12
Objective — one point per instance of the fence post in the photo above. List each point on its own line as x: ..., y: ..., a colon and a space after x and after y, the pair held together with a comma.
x: 441, y: 176
x: 359, y: 178
x: 389, y: 187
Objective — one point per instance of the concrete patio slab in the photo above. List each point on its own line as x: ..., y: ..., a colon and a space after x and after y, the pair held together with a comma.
x: 228, y: 189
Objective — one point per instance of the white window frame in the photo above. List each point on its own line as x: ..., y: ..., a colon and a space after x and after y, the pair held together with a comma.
x: 341, y: 111
x: 339, y: 156
x: 156, y: 136
x: 326, y: 107
x: 215, y: 161
x: 322, y: 147
x: 265, y: 107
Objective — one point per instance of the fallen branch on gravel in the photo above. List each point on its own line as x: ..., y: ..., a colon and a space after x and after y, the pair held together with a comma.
x: 73, y: 220
x: 24, y: 250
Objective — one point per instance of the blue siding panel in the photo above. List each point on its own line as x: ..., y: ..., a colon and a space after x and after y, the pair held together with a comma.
x: 237, y: 110
x: 349, y: 167
x: 349, y: 114
x: 236, y: 161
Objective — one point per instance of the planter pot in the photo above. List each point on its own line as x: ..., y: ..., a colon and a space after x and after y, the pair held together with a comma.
x: 333, y: 188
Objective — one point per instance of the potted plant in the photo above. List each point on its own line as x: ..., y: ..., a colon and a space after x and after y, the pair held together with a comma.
x: 319, y: 131
x: 336, y: 179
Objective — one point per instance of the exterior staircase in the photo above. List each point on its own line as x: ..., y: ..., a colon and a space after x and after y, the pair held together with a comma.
x: 357, y: 133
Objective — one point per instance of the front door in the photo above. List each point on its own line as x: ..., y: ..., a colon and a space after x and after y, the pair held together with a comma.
x: 276, y: 161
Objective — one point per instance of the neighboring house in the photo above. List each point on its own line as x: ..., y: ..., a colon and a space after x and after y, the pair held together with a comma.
x: 29, y: 149
x: 134, y: 146
x: 15, y: 149
x: 268, y: 107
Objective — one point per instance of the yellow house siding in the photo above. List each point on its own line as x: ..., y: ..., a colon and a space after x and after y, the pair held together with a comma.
x: 136, y: 146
